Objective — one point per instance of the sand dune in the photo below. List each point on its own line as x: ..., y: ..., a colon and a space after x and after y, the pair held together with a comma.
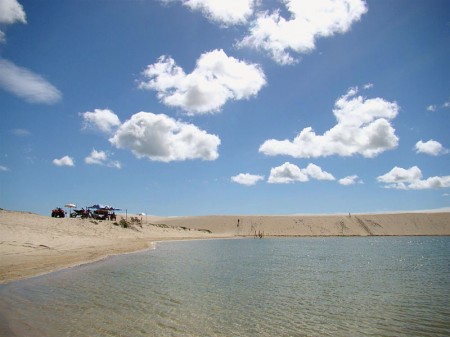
x: 321, y: 225
x: 32, y: 244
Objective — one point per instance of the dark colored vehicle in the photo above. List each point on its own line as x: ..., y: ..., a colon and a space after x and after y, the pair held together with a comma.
x: 82, y: 213
x: 103, y: 214
x: 58, y: 213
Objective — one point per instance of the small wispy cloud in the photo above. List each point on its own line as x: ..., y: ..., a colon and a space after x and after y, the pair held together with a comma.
x: 436, y: 107
x: 64, y: 161
x: 26, y: 84
x: 20, y: 132
x: 247, y: 179
x: 431, y: 107
x: 101, y: 158
x: 446, y: 104
x: 350, y: 180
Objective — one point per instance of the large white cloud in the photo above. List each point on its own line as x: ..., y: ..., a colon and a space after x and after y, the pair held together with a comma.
x: 103, y: 119
x: 246, y: 179
x: 411, y: 179
x: 224, y: 12
x: 26, y: 84
x: 308, y: 21
x: 216, y: 79
x: 161, y: 138
x: 289, y: 173
x: 64, y: 161
x: 363, y: 127
x: 430, y: 147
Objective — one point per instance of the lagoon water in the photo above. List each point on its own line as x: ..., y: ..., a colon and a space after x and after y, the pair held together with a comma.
x: 365, y: 286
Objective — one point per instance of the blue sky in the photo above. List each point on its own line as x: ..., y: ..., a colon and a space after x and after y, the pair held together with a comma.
x: 192, y: 107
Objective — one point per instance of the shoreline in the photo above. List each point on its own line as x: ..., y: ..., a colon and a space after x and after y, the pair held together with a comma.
x: 33, y: 245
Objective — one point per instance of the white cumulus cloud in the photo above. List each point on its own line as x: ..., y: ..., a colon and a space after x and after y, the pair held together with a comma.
x: 161, y: 138
x: 246, y: 179
x: 26, y: 84
x: 11, y: 12
x: 104, y: 120
x: 289, y: 173
x: 101, y: 158
x: 350, y: 180
x: 286, y: 173
x: 64, y: 161
x: 315, y: 172
x: 223, y: 12
x: 363, y: 127
x: 96, y: 157
x: 308, y: 21
x: 430, y: 147
x: 216, y: 79
x: 411, y: 179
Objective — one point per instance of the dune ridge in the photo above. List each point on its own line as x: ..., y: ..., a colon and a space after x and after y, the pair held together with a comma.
x: 321, y: 225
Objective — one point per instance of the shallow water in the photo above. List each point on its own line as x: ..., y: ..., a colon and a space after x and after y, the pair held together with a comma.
x: 374, y: 286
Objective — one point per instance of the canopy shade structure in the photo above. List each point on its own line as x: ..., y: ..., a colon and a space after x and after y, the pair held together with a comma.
x: 70, y: 205
x: 100, y: 206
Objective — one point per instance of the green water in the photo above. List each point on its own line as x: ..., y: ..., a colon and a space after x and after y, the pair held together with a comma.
x: 386, y: 286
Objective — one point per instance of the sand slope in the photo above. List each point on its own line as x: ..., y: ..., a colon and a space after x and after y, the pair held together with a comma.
x: 32, y: 244
x: 322, y: 225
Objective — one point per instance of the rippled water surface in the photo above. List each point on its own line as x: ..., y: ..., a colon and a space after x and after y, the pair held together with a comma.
x: 389, y: 286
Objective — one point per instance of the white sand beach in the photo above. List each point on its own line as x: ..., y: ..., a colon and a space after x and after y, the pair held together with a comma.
x: 33, y: 244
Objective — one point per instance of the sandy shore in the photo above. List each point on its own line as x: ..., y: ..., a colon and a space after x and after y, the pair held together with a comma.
x: 32, y: 244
